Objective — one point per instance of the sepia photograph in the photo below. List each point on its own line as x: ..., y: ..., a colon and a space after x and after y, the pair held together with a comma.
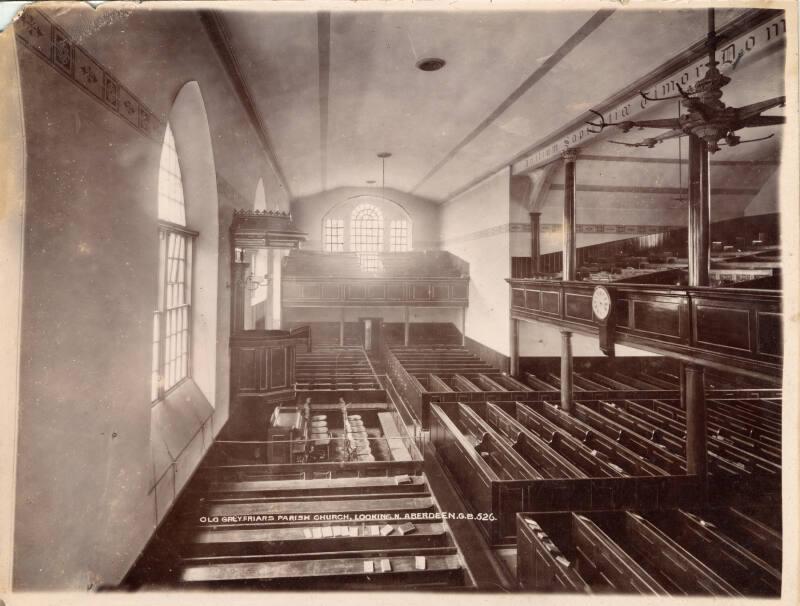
x: 451, y: 299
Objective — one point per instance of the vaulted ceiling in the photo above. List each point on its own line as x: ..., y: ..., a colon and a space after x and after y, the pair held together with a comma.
x: 333, y: 89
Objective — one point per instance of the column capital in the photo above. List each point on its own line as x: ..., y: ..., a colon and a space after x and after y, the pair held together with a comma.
x: 534, y: 215
x: 565, y: 332
x: 570, y: 154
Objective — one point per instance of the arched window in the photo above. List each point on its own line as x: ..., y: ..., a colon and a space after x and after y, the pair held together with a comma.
x: 172, y: 321
x: 171, y: 206
x: 366, y: 235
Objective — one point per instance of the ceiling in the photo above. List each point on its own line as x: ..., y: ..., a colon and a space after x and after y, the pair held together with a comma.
x: 334, y: 89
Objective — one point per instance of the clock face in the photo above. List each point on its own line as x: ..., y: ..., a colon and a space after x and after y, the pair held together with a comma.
x: 601, y: 303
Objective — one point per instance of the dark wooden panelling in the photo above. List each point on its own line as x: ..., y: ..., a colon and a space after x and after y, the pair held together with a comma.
x: 355, y: 291
x: 735, y: 329
x: 517, y: 297
x: 311, y: 291
x: 722, y: 326
x: 622, y: 314
x: 770, y: 337
x: 550, y: 301
x: 277, y: 368
x: 395, y: 292
x: 420, y: 292
x: 440, y: 292
x: 330, y: 291
x: 579, y: 306
x: 247, y: 366
x: 376, y: 291
x: 658, y: 318
x: 292, y: 290
x: 458, y: 291
x: 533, y: 299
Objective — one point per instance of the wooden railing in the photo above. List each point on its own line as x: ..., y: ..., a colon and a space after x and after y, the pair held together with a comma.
x: 375, y: 291
x: 729, y: 329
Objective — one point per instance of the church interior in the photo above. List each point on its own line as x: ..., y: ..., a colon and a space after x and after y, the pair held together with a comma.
x: 395, y: 298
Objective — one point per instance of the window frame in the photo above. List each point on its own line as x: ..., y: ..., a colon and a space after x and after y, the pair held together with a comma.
x: 160, y: 314
x: 338, y: 229
x: 360, y: 235
x: 399, y: 226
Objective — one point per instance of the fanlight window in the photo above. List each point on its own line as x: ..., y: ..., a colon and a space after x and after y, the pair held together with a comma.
x: 366, y: 234
x: 171, y: 206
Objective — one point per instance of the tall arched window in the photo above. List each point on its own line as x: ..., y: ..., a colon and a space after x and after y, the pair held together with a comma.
x: 172, y: 321
x: 171, y: 206
x: 366, y: 229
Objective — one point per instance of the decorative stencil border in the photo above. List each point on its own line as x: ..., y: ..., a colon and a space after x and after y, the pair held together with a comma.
x: 37, y: 32
x: 49, y: 42
x: 545, y: 228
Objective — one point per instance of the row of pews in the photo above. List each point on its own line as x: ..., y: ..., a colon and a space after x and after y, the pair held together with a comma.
x: 712, y: 552
x: 600, y: 500
x: 311, y: 533
x: 744, y: 432
x: 335, y: 369
x: 335, y: 498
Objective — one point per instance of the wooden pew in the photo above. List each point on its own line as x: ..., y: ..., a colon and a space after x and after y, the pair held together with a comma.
x: 437, y: 384
x: 242, y: 512
x: 742, y: 569
x: 319, y: 487
x: 538, y: 384
x: 740, y: 459
x: 442, y: 569
x: 461, y: 383
x: 625, y: 413
x: 394, y: 437
x: 294, y: 539
x: 592, y: 463
x: 600, y: 558
x: 758, y: 538
x: 486, y: 383
x: 641, y: 445
x: 676, y: 568
x: 543, y: 458
x: 504, y: 461
x: 617, y: 455
x: 541, y: 566
x: 511, y: 384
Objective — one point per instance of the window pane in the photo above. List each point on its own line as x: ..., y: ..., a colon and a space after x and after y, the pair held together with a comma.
x: 367, y: 235
x: 171, y: 205
x: 400, y: 235
x: 333, y: 235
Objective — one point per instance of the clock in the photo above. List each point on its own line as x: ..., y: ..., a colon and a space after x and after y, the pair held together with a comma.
x: 601, y: 302
x: 603, y: 299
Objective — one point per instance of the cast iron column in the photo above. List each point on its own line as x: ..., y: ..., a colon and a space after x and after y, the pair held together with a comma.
x: 566, y: 371
x: 535, y: 247
x: 568, y: 272
x: 696, y: 432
